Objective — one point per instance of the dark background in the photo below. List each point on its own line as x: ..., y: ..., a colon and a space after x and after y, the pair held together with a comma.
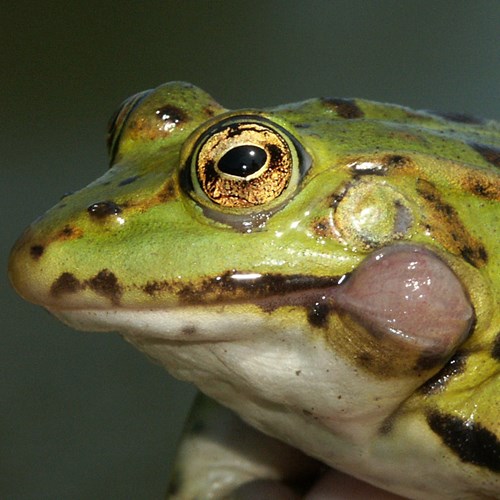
x: 85, y: 416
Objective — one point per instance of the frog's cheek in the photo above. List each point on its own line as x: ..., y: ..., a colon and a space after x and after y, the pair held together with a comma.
x: 408, y: 294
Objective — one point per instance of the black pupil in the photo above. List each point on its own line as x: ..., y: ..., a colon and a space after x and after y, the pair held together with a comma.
x: 242, y: 161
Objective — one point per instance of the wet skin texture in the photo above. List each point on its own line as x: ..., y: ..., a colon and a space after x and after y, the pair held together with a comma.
x: 326, y: 273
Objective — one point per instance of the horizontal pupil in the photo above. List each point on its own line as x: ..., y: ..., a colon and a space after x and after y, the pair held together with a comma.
x: 242, y: 161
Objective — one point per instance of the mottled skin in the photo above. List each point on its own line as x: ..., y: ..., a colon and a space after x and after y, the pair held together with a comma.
x: 251, y: 287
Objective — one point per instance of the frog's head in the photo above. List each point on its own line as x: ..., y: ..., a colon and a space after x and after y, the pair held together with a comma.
x: 272, y: 257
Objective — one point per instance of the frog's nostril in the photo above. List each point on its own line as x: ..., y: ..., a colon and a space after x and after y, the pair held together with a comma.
x: 408, y: 293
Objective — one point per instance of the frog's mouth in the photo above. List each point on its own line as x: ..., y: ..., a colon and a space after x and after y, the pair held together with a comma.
x: 404, y: 292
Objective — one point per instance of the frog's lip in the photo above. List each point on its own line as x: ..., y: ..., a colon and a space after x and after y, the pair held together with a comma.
x: 404, y: 292
x: 196, y: 313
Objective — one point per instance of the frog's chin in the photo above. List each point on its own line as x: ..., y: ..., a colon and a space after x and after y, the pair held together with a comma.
x: 214, y: 323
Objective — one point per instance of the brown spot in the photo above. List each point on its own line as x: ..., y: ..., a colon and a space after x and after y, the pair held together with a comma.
x: 103, y: 209
x: 153, y: 287
x: 105, y: 283
x: 387, y: 425
x: 323, y: 228
x: 317, y: 314
x: 481, y: 184
x: 495, y: 351
x: 66, y: 283
x: 455, y: 366
x: 447, y: 227
x: 171, y: 115
x: 68, y: 233
x: 345, y: 108
x: 470, y: 441
x: 298, y: 372
x: 209, y: 111
x: 36, y: 251
x: 396, y: 161
x: 490, y: 153
x: 168, y: 192
x: 188, y: 330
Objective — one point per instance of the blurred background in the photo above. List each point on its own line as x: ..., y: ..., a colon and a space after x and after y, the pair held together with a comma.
x: 85, y: 416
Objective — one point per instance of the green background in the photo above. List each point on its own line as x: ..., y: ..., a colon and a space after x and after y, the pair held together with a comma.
x: 85, y: 416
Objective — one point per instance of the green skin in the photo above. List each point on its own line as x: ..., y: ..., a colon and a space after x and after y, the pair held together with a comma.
x: 229, y: 296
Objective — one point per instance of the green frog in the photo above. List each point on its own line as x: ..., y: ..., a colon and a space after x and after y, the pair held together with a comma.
x: 327, y: 273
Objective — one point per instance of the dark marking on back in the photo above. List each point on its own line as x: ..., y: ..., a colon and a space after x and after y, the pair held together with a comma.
x: 66, y: 283
x: 484, y: 187
x: 495, y: 351
x: 128, y: 180
x: 36, y: 251
x: 103, y: 209
x: 345, y: 108
x: 472, y: 255
x: 105, y: 283
x: 470, y: 441
x: 455, y: 366
x: 490, y: 153
x: 448, y: 227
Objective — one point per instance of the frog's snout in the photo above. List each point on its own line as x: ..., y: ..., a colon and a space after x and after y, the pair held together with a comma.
x: 410, y: 294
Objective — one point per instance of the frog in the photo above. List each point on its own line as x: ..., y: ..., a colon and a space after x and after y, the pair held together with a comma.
x: 326, y: 273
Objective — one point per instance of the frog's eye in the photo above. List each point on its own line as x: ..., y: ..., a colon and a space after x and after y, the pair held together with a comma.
x: 245, y: 162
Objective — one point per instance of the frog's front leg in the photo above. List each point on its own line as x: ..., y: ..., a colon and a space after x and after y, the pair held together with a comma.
x: 220, y: 456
